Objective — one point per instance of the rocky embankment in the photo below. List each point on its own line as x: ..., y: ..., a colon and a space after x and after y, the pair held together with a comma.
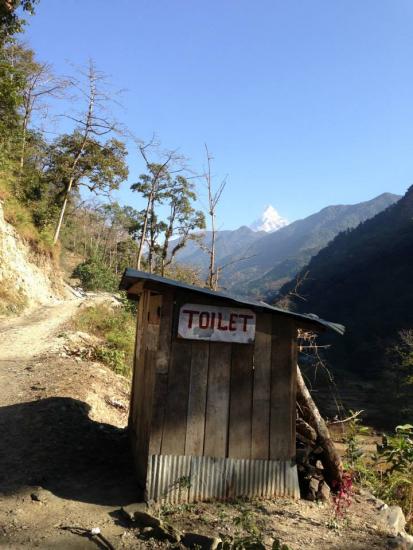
x: 27, y: 278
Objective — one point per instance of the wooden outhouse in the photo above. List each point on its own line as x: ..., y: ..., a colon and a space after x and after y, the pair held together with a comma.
x: 213, y: 404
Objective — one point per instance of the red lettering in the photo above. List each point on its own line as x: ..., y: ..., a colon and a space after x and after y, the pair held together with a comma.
x: 220, y: 325
x: 213, y: 320
x: 191, y: 316
x: 245, y: 317
x: 232, y: 321
x: 202, y: 323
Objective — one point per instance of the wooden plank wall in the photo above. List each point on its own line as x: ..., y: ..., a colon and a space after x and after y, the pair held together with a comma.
x: 198, y: 383
x: 215, y: 399
x: 161, y: 373
x: 146, y: 345
x: 260, y: 443
x: 217, y: 405
x: 283, y: 388
x: 241, y: 391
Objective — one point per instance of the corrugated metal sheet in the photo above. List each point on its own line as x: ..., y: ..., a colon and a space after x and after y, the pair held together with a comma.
x: 178, y: 479
x: 131, y: 276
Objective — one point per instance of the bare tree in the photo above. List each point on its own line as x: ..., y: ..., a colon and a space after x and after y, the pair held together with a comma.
x: 91, y: 125
x: 220, y: 268
x: 40, y: 82
x: 214, y: 196
x: 285, y: 301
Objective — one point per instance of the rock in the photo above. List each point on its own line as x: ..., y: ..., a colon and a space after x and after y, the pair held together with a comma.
x: 138, y: 513
x: 313, y: 488
x: 150, y: 526
x: 166, y: 532
x: 401, y: 542
x: 39, y: 495
x: 323, y: 492
x: 408, y: 538
x: 200, y: 542
x: 393, y: 518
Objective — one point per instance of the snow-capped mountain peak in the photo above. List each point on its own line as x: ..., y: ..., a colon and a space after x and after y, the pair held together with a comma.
x: 269, y: 221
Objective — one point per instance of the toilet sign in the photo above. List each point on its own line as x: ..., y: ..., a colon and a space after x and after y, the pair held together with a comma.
x: 216, y: 324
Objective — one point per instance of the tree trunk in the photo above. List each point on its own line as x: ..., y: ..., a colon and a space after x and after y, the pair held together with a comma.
x: 62, y: 212
x: 331, y: 459
x: 144, y: 229
x: 23, y: 148
x: 212, y: 282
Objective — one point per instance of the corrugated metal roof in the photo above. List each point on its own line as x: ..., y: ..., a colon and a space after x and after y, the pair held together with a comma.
x: 131, y: 276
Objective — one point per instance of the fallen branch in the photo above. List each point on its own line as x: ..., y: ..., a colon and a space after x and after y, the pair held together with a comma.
x: 355, y: 415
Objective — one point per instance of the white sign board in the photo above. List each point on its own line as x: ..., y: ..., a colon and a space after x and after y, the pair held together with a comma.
x: 216, y: 324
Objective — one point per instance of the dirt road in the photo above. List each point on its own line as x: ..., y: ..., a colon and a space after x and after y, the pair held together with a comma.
x: 61, y: 465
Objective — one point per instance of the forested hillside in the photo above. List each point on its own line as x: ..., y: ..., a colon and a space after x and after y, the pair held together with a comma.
x: 363, y: 279
x: 57, y: 187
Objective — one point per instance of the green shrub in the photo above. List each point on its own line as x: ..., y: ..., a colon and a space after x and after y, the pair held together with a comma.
x: 95, y: 275
x: 20, y: 217
x: 116, y: 327
x: 388, y: 473
x: 354, y: 432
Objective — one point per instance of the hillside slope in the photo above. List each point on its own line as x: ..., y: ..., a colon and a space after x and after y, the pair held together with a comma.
x: 26, y: 278
x: 363, y: 279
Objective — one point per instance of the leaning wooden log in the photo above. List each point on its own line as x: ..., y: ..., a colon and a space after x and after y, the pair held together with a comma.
x: 333, y: 467
x: 305, y: 430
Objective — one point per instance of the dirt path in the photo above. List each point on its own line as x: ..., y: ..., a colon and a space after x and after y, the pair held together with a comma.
x: 61, y: 465
x: 26, y: 336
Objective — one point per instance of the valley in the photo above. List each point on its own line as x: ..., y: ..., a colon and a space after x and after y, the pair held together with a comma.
x: 258, y: 263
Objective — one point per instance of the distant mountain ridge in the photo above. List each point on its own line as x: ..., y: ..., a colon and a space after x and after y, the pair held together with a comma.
x: 259, y: 263
x: 279, y: 256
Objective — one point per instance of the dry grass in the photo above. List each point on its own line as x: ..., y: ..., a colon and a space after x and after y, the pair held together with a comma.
x: 20, y: 217
x: 12, y: 301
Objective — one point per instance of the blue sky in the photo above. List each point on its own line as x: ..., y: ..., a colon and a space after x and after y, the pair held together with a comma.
x: 302, y: 103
